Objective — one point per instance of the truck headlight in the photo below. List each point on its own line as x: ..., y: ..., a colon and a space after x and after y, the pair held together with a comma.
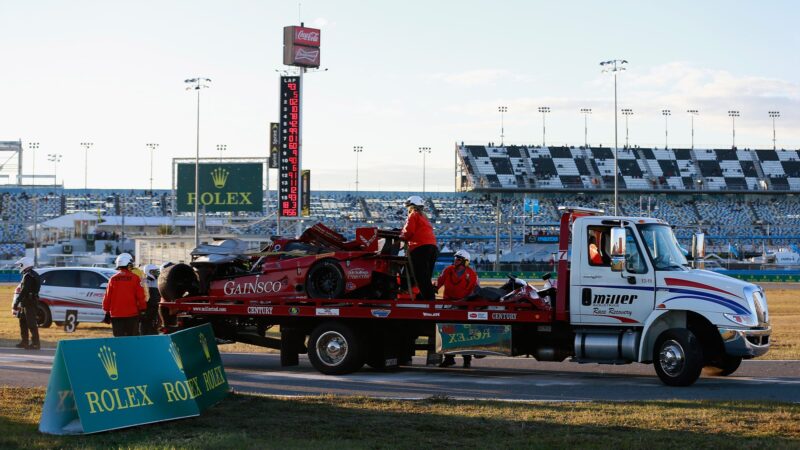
x: 747, y: 320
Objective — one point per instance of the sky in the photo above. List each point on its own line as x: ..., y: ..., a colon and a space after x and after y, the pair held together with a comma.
x: 400, y: 76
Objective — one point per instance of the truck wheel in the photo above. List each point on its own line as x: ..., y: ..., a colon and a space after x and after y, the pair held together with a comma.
x: 177, y: 281
x: 335, y: 349
x: 678, y: 357
x: 325, y: 280
x: 43, y: 317
x: 726, y: 365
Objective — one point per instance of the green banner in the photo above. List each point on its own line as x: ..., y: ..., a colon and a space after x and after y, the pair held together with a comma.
x: 459, y: 338
x: 222, y: 187
x: 106, y: 384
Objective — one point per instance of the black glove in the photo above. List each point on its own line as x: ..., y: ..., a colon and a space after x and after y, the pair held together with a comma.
x: 107, y: 318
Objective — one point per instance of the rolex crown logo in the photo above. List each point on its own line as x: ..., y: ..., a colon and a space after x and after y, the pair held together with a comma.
x: 220, y: 177
x: 204, y: 344
x: 176, y: 355
x: 109, y: 359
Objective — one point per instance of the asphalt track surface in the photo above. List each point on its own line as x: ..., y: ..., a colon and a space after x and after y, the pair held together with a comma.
x: 510, y: 379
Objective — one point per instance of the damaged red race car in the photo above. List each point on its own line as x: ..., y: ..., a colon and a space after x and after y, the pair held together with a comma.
x: 320, y: 264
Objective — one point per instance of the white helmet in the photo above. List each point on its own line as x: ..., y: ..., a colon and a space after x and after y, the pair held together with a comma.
x: 150, y: 270
x: 463, y: 254
x: 415, y: 200
x: 123, y: 260
x: 24, y: 263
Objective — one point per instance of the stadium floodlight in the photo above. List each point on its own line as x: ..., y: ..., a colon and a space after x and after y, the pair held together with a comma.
x: 425, y: 151
x: 586, y: 112
x: 614, y: 66
x: 33, y: 146
x: 221, y: 148
x: 733, y: 114
x: 86, y: 146
x: 357, y: 149
x: 152, y: 147
x: 544, y: 110
x: 502, y: 110
x: 666, y: 113
x: 55, y: 158
x: 774, y: 115
x: 693, y: 113
x: 197, y: 84
x: 627, y: 112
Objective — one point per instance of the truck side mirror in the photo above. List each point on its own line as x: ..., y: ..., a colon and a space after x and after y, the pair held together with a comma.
x: 618, y: 239
x: 698, y: 246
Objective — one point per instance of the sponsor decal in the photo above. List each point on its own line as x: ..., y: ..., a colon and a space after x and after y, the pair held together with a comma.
x: 614, y: 299
x: 235, y: 287
x: 293, y: 311
x: 327, y: 311
x: 611, y: 310
x: 209, y: 309
x: 358, y: 274
x: 382, y: 313
x: 504, y: 316
x: 478, y: 315
x: 427, y: 314
x: 261, y: 310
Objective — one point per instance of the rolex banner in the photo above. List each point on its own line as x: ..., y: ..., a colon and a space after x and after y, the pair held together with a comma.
x: 222, y: 187
x: 105, y: 384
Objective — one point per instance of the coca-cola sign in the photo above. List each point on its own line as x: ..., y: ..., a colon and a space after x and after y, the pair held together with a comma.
x: 310, y: 37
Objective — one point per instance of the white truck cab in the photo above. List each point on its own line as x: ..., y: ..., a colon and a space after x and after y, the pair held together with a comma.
x: 633, y: 296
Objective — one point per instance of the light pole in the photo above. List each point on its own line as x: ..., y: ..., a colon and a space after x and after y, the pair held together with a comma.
x: 221, y: 148
x: 357, y: 149
x: 733, y: 115
x: 774, y: 115
x: 586, y: 112
x: 614, y: 66
x: 544, y: 110
x: 626, y: 112
x: 152, y: 147
x: 502, y: 110
x: 197, y: 84
x: 33, y: 146
x: 693, y: 113
x: 55, y: 158
x: 86, y: 146
x: 425, y: 151
x: 666, y: 113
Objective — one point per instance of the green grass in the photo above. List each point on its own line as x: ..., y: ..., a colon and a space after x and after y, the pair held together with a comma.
x: 246, y: 421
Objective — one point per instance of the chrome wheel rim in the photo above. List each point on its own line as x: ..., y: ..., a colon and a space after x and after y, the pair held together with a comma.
x: 332, y: 348
x: 672, y: 358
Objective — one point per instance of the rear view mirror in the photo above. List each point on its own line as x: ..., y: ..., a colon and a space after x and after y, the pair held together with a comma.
x: 698, y: 246
x: 618, y: 242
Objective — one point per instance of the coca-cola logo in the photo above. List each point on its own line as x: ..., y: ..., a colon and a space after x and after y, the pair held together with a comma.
x: 306, y: 35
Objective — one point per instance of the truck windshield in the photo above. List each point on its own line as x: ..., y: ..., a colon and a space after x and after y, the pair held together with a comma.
x: 663, y: 247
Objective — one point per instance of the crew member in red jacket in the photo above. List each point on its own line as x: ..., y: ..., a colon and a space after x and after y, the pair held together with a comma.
x: 422, y: 246
x: 124, y: 300
x: 459, y: 281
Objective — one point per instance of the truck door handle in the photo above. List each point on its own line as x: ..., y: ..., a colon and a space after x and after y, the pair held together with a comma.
x: 586, y: 297
x: 631, y: 280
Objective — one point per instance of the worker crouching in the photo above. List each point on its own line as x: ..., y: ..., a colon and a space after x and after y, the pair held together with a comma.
x: 458, y: 281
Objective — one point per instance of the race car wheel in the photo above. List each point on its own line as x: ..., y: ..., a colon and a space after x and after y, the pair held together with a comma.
x: 335, y: 349
x: 177, y: 281
x: 43, y: 316
x: 325, y: 280
x: 678, y: 357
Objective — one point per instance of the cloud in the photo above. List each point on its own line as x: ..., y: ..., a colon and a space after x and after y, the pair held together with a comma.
x: 478, y: 77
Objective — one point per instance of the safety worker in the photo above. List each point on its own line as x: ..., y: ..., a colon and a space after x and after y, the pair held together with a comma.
x: 26, y: 304
x: 150, y: 322
x: 459, y: 281
x: 124, y: 301
x: 421, y: 245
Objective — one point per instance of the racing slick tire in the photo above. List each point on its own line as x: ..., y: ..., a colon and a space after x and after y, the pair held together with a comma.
x: 335, y: 349
x: 43, y: 316
x: 325, y: 280
x: 725, y: 366
x: 678, y: 357
x: 177, y: 281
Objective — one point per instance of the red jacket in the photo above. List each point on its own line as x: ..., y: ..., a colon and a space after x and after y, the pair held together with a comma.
x: 124, y: 295
x: 418, y: 231
x: 457, y: 286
